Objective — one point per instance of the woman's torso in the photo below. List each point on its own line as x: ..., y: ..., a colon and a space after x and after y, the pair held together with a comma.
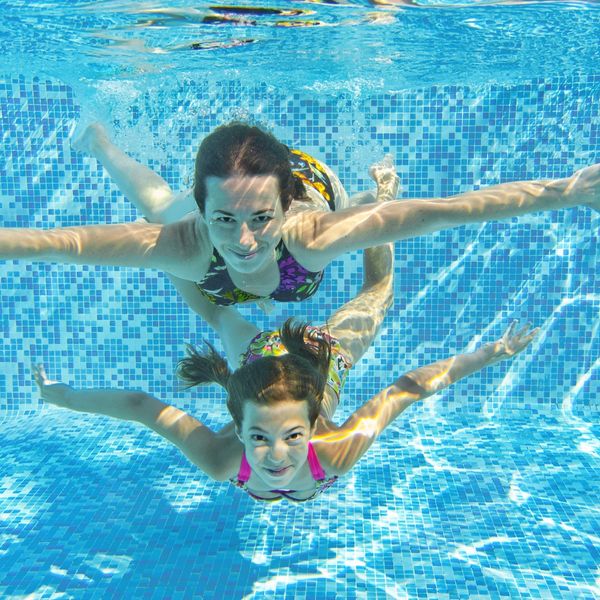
x: 285, y: 279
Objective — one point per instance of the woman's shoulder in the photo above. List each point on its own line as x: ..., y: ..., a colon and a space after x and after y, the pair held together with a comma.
x: 191, y: 246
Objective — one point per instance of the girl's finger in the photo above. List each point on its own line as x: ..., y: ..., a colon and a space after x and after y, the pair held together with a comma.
x: 510, y: 331
x: 524, y: 329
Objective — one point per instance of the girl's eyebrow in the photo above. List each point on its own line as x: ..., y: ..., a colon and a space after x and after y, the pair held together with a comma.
x: 255, y: 428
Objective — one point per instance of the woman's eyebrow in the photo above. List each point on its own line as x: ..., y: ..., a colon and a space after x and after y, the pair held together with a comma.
x: 264, y: 211
x: 229, y: 214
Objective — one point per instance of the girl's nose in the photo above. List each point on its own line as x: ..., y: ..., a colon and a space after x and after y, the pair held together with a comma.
x: 277, y: 452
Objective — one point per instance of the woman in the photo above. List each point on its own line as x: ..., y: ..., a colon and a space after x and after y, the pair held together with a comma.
x: 282, y: 441
x: 258, y: 233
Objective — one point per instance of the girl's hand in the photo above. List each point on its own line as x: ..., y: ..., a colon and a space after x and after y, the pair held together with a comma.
x: 53, y: 392
x: 512, y: 342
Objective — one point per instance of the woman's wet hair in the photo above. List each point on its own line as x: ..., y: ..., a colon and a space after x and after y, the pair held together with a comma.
x: 300, y: 375
x: 241, y: 149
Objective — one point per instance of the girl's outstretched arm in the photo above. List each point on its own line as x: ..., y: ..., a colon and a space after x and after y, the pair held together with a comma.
x: 346, y: 445
x: 201, y: 445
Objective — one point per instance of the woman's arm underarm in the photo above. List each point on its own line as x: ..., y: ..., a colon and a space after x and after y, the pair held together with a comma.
x: 333, y: 234
x: 128, y: 244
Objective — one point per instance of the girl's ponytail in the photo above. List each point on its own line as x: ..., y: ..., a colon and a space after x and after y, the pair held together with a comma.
x: 317, y: 350
x: 199, y: 368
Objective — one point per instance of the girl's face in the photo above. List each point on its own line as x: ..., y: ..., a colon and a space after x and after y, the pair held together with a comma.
x: 275, y: 439
x: 244, y: 218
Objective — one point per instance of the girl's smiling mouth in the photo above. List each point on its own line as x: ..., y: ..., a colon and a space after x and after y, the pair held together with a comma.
x: 278, y: 472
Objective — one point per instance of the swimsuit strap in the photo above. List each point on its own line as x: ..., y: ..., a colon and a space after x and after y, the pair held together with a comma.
x: 315, y: 466
x: 245, y: 470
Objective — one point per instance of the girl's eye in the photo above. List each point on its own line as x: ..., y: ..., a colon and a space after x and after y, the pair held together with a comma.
x: 295, y: 436
x: 257, y: 438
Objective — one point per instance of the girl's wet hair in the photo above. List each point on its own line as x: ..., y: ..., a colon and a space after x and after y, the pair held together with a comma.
x: 300, y: 375
x: 241, y: 149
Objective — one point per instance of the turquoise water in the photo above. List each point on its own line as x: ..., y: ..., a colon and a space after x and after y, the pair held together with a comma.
x: 487, y: 490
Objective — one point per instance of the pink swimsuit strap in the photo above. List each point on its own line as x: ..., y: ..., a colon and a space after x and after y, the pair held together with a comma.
x: 316, y: 469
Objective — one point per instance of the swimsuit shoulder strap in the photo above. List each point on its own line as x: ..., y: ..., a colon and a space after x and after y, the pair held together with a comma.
x: 315, y: 466
x: 245, y: 470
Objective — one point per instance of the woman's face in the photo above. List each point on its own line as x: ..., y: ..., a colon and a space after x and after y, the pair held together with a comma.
x: 244, y: 218
x: 275, y: 439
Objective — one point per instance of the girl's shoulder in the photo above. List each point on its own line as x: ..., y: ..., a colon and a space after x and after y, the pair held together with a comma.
x: 331, y: 446
x: 228, y: 453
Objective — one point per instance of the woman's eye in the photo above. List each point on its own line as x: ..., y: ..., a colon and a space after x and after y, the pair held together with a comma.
x: 262, y: 219
x: 257, y: 438
x: 223, y: 220
x: 295, y: 436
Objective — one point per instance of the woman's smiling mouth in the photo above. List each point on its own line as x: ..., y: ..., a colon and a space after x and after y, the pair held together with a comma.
x: 245, y: 255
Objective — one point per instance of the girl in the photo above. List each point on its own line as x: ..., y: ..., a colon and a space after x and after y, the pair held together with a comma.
x: 282, y: 441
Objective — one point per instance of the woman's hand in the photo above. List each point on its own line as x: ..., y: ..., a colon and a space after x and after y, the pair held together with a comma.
x: 511, y: 343
x: 584, y: 186
x: 53, y: 392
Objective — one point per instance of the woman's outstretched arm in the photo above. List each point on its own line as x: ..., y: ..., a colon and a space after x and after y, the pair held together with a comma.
x: 177, y: 248
x: 199, y: 444
x: 346, y: 445
x: 322, y: 237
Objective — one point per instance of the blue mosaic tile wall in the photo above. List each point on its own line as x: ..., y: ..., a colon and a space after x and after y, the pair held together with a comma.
x: 488, y: 491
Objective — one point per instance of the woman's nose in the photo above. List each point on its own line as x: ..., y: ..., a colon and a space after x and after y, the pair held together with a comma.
x: 246, y: 235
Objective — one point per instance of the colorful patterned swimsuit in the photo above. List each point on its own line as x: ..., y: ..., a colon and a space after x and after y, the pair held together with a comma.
x: 268, y: 343
x: 295, y: 282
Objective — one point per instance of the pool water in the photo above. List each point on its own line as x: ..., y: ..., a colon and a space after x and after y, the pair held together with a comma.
x: 487, y: 490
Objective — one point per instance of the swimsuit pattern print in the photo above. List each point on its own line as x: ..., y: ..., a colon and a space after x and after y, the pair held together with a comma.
x: 295, y: 282
x: 268, y: 343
